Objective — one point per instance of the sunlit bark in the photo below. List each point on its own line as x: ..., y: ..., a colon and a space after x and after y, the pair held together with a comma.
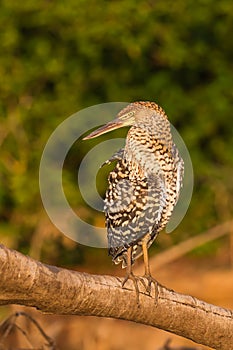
x: 55, y: 290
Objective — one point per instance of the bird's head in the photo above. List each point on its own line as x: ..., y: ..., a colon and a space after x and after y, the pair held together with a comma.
x: 128, y: 116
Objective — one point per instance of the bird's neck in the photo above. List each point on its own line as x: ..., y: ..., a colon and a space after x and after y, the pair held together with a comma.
x: 143, y: 145
x: 156, y: 128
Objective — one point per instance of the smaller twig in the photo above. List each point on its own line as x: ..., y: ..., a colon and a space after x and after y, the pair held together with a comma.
x: 7, y: 326
x: 40, y: 329
x: 187, y: 246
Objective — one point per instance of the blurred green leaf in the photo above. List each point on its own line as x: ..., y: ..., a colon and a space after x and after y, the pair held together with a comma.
x: 57, y: 58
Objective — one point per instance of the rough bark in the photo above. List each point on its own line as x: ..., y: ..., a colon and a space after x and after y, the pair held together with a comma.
x: 55, y: 290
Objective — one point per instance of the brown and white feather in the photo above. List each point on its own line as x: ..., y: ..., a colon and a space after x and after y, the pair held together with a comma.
x: 144, y: 186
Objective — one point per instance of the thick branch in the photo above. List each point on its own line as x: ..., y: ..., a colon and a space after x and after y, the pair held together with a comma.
x: 59, y: 291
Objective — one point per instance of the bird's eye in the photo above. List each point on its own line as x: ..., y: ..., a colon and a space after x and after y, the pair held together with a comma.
x: 127, y: 115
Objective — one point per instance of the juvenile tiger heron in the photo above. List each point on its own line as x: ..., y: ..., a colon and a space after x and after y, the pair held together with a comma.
x: 144, y: 186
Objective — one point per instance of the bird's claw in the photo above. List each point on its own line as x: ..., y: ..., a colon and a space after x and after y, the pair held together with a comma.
x: 142, y: 280
x: 148, y: 285
x: 135, y: 280
x: 153, y: 281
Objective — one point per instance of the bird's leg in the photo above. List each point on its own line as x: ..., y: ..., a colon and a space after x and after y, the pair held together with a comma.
x: 147, y: 271
x: 129, y: 273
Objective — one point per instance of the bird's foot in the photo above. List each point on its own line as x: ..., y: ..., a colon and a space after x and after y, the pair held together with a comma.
x: 135, y: 279
x: 148, y: 286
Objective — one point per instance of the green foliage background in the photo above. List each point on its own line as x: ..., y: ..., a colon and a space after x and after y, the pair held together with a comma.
x: 59, y: 57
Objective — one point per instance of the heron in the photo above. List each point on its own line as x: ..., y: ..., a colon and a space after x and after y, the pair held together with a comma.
x: 144, y: 186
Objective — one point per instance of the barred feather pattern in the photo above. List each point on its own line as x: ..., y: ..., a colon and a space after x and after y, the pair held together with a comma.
x: 143, y: 190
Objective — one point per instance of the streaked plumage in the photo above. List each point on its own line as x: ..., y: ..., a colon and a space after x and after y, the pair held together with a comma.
x: 144, y: 186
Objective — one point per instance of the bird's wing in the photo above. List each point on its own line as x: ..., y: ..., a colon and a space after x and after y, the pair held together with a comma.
x: 179, y: 164
x: 118, y: 155
x: 133, y: 206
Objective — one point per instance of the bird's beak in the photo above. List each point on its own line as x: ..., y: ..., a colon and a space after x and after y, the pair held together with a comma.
x: 114, y: 124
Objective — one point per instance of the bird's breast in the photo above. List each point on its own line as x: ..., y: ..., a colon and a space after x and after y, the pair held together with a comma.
x: 147, y: 155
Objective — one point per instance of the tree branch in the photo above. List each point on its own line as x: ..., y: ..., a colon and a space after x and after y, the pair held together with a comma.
x: 55, y: 290
x: 188, y: 245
